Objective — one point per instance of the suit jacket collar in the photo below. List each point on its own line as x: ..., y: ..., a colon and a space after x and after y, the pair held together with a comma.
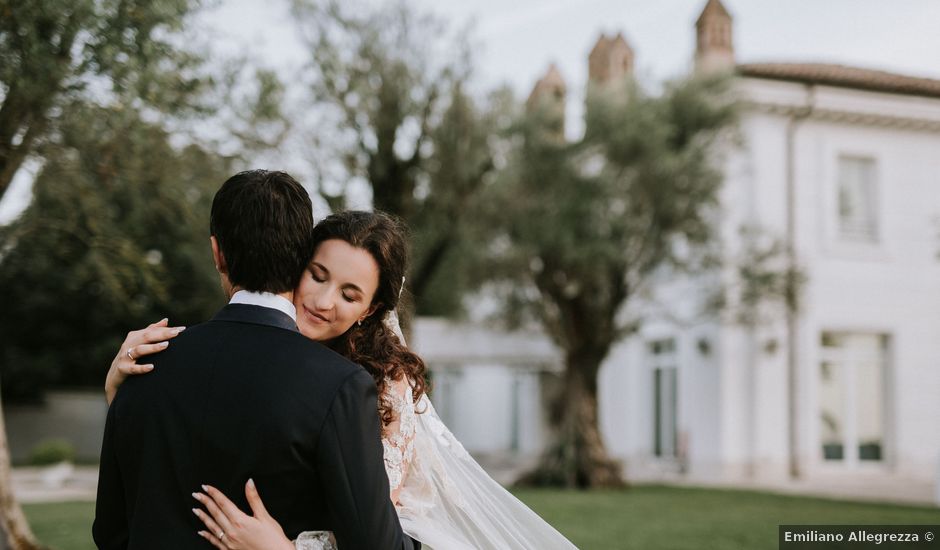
x: 258, y: 315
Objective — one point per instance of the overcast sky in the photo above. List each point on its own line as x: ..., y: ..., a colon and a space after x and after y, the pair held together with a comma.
x: 519, y: 38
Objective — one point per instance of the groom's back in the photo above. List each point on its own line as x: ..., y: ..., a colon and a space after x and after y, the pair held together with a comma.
x: 246, y: 396
x: 229, y: 400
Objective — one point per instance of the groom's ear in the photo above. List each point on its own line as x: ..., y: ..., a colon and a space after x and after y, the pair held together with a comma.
x: 217, y: 256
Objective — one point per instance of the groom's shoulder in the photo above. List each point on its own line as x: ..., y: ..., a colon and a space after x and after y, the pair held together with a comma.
x: 278, y: 344
x: 326, y: 361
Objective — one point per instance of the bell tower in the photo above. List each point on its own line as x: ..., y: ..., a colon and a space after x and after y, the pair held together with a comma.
x: 549, y: 94
x: 714, y: 49
x: 610, y: 61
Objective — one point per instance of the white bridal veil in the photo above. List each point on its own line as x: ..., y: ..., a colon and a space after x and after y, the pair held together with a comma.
x: 448, y: 502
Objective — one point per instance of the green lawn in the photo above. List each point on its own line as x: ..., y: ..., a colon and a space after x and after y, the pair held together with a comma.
x: 62, y: 526
x: 645, y: 517
x: 653, y: 517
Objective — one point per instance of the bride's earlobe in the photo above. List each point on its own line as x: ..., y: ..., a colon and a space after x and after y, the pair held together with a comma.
x: 369, y: 312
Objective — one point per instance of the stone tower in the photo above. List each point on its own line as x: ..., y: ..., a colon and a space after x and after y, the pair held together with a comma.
x: 714, y: 51
x: 610, y: 61
x: 549, y: 94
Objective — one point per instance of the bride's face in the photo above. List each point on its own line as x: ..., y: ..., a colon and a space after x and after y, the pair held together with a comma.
x: 336, y: 290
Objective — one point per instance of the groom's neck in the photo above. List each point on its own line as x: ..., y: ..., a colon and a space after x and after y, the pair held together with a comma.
x: 289, y: 296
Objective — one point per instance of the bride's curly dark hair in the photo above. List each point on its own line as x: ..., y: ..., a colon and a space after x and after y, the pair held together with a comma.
x: 372, y: 344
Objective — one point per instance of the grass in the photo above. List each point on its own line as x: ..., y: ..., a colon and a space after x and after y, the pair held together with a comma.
x: 644, y: 517
x: 655, y: 517
x: 62, y: 525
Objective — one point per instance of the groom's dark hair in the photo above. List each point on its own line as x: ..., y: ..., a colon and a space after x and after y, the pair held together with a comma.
x: 263, y: 222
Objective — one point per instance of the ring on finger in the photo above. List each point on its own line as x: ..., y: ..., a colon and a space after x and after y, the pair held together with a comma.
x: 131, y: 355
x: 221, y: 535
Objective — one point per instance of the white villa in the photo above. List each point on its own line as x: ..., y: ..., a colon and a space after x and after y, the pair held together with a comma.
x: 840, y: 163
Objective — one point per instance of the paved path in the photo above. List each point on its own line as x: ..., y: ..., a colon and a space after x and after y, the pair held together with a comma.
x: 55, y: 484
x: 60, y: 484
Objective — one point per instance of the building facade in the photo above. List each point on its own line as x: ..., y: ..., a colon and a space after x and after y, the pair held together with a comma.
x: 842, y: 166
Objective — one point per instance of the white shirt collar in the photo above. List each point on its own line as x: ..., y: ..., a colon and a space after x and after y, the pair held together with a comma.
x: 265, y: 299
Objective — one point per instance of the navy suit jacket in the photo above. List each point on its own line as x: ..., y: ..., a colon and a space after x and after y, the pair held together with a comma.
x: 242, y: 396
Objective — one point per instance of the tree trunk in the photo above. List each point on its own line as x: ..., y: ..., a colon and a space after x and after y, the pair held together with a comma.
x: 577, y: 458
x: 15, y: 533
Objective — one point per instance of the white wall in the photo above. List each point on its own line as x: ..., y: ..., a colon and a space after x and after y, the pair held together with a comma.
x: 891, y: 288
x: 733, y: 402
x: 486, y: 384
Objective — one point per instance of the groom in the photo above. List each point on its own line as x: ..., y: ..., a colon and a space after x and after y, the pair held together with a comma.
x: 246, y: 396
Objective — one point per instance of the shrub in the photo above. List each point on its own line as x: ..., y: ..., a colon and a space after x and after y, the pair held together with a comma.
x: 52, y: 451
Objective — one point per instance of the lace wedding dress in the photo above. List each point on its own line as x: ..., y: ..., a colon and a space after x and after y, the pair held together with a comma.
x: 443, y: 497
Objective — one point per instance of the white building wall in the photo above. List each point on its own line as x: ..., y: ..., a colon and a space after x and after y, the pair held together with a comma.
x: 482, y: 423
x: 703, y: 381
x: 487, y: 384
x: 733, y: 405
x: 617, y: 401
x: 753, y: 361
x: 891, y: 288
x: 626, y: 384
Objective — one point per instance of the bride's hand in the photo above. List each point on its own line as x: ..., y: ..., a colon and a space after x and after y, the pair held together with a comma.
x: 138, y: 343
x: 231, y: 529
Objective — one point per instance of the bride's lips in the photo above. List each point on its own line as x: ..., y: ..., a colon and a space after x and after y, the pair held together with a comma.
x: 315, y: 318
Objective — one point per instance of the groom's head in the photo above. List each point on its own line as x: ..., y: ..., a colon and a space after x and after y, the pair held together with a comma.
x: 262, y: 227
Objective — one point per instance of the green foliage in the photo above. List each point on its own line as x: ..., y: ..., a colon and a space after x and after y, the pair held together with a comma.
x: 587, y: 224
x: 448, y: 223
x: 51, y: 451
x: 585, y: 227
x: 391, y: 82
x: 55, y: 52
x: 95, y: 91
x: 763, y: 284
x: 114, y: 239
x: 374, y: 71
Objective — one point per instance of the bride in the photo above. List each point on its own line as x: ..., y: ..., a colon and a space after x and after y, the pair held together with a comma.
x: 347, y: 300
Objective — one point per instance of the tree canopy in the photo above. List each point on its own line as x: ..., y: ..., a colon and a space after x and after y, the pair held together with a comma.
x: 53, y: 53
x: 390, y: 88
x: 585, y: 227
x: 116, y: 237
x: 102, y: 95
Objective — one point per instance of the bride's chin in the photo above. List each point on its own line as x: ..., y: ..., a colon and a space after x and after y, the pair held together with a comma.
x: 309, y: 331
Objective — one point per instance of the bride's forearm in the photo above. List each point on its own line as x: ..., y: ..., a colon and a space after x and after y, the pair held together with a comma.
x: 138, y: 343
x: 114, y: 378
x: 111, y: 384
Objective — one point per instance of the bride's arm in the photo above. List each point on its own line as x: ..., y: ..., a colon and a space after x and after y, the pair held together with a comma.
x: 398, y: 436
x: 153, y: 339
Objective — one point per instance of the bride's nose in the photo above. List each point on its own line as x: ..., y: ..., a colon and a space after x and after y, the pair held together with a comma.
x: 324, y: 301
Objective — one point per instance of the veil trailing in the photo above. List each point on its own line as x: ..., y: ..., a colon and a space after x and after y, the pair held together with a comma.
x: 448, y: 502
